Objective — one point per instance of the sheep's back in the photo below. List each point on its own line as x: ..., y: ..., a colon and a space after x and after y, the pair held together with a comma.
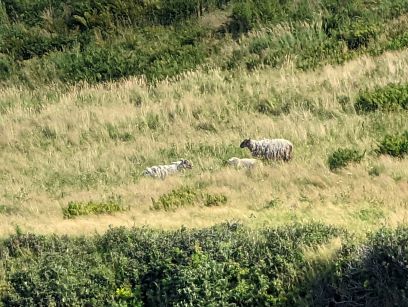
x: 273, y: 149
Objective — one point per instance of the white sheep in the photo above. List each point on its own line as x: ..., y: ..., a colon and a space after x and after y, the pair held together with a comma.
x: 242, y: 162
x: 162, y: 171
x: 269, y: 149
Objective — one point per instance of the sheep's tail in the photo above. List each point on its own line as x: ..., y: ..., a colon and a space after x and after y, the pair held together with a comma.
x: 289, y: 152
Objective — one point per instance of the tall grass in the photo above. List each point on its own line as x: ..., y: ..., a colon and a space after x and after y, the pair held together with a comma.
x: 80, y: 143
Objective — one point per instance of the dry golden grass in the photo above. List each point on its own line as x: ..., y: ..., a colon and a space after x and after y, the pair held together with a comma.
x: 93, y: 141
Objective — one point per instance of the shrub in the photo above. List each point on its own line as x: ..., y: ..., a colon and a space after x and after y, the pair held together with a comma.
x: 394, y: 145
x: 373, y: 274
x: 359, y: 33
x: 6, y: 67
x: 112, y: 204
x: 388, y: 98
x: 22, y: 43
x: 211, y: 200
x: 181, y: 197
x: 226, y: 264
x: 342, y: 157
x: 187, y: 196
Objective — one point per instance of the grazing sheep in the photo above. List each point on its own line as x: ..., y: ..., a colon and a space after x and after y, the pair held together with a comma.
x: 162, y: 171
x: 270, y: 149
x: 242, y: 163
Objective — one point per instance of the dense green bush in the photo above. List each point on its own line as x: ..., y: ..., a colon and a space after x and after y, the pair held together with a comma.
x: 6, y: 67
x: 112, y: 204
x: 24, y: 43
x: 354, y: 22
x: 223, y: 265
x: 112, y: 39
x: 388, y: 98
x: 342, y: 157
x: 249, y: 14
x: 227, y: 264
x: 395, y: 145
x: 187, y: 196
x: 373, y: 274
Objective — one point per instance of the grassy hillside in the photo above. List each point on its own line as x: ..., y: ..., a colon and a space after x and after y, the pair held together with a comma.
x: 93, y: 142
x: 92, y: 93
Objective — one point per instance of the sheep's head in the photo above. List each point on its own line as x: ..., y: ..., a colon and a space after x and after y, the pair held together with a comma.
x: 232, y: 161
x: 245, y: 143
x: 186, y: 164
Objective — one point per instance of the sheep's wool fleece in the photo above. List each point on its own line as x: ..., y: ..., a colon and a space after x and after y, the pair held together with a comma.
x: 272, y: 149
x: 242, y: 162
x: 162, y: 171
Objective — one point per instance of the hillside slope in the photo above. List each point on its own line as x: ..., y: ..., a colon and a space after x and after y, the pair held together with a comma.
x: 93, y: 142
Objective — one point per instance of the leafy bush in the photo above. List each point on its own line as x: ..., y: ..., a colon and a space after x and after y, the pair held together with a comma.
x: 112, y: 204
x: 187, y: 196
x: 249, y: 14
x: 373, y: 274
x: 112, y: 39
x: 387, y: 98
x: 342, y: 157
x: 22, y: 43
x: 211, y: 200
x: 6, y: 67
x: 181, y: 197
x: 227, y: 264
x: 394, y: 145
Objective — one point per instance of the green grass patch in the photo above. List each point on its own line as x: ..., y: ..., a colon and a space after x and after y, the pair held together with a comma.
x: 111, y: 205
x: 370, y: 215
x: 7, y: 209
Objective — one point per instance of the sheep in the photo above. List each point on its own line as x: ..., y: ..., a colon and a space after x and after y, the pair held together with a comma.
x: 242, y: 162
x: 162, y: 171
x: 269, y: 149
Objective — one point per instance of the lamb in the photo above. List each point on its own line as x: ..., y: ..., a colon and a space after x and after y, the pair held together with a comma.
x: 242, y: 162
x: 162, y: 171
x: 269, y: 149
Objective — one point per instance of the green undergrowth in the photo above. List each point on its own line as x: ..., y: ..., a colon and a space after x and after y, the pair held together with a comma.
x: 395, y: 145
x: 227, y: 264
x: 187, y: 196
x: 110, y: 205
x: 392, y: 97
x: 344, y: 156
x: 58, y: 42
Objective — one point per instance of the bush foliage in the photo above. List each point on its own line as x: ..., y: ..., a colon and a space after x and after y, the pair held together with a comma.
x: 342, y: 157
x: 145, y: 267
x: 388, y: 98
x: 152, y: 268
x: 50, y: 41
x: 395, y: 145
x: 372, y: 274
x: 187, y: 196
x: 112, y: 204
